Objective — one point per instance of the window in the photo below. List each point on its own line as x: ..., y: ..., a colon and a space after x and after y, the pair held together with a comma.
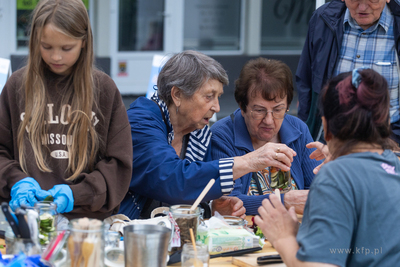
x: 141, y: 25
x: 24, y: 11
x: 212, y: 25
x: 285, y: 24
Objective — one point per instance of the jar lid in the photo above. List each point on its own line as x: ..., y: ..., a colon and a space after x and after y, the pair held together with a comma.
x: 184, y: 210
x: 236, y: 221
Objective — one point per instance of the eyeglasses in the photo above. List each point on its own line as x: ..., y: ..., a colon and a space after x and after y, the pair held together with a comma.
x: 371, y: 1
x: 261, y: 113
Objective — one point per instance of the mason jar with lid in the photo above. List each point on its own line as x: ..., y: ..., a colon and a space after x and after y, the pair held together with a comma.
x: 186, y: 220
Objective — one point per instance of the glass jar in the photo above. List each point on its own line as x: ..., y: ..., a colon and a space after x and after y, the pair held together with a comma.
x: 112, y: 239
x: 47, y: 217
x: 235, y: 221
x: 198, y: 258
x: 279, y: 179
x: 86, y: 242
x: 26, y: 246
x: 9, y: 240
x: 55, y: 253
x: 3, y: 222
x: 185, y: 220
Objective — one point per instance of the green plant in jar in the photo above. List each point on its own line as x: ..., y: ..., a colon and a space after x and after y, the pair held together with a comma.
x: 279, y: 179
x: 47, y: 211
x: 46, y: 228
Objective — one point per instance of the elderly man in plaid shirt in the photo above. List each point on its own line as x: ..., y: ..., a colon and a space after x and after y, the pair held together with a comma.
x: 348, y: 34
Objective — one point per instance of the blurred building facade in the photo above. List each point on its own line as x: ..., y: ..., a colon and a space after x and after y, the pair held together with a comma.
x: 128, y: 33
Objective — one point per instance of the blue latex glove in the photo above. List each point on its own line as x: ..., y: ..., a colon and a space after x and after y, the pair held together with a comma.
x: 63, y: 197
x: 26, y: 192
x: 23, y: 260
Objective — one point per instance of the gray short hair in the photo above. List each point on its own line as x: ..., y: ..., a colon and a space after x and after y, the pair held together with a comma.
x: 188, y: 71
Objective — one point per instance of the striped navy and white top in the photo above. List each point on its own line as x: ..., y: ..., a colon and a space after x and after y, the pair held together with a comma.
x: 199, y: 140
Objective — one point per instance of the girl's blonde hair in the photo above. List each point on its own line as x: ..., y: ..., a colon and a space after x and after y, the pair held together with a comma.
x: 71, y: 18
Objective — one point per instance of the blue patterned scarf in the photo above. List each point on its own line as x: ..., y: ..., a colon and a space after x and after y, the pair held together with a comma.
x: 199, y: 140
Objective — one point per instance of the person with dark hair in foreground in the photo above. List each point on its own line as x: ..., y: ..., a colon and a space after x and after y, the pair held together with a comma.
x: 352, y: 203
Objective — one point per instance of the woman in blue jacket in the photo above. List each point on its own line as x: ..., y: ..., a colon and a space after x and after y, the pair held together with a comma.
x: 264, y: 92
x: 171, y: 140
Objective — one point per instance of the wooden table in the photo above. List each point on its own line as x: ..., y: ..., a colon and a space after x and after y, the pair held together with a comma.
x: 248, y: 260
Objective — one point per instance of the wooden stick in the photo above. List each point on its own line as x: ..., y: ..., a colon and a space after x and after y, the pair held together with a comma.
x: 193, y: 240
x: 202, y: 195
x: 196, y: 261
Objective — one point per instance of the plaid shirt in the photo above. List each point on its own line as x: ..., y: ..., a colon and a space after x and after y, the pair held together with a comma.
x: 372, y: 48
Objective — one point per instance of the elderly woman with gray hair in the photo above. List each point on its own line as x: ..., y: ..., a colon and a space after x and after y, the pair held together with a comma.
x: 171, y: 141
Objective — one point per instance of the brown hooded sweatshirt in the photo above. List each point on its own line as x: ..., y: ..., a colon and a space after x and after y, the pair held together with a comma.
x: 97, y: 193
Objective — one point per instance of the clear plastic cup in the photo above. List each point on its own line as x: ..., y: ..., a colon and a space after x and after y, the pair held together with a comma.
x: 197, y: 258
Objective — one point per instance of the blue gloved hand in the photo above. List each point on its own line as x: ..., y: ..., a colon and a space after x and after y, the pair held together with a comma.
x: 22, y: 260
x: 63, y: 197
x: 26, y: 192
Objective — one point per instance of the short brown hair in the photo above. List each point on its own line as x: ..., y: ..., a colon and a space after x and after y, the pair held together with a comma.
x: 272, y: 78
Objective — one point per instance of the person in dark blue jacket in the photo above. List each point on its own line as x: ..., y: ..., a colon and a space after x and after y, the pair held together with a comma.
x: 265, y: 86
x: 343, y: 35
x: 171, y: 141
